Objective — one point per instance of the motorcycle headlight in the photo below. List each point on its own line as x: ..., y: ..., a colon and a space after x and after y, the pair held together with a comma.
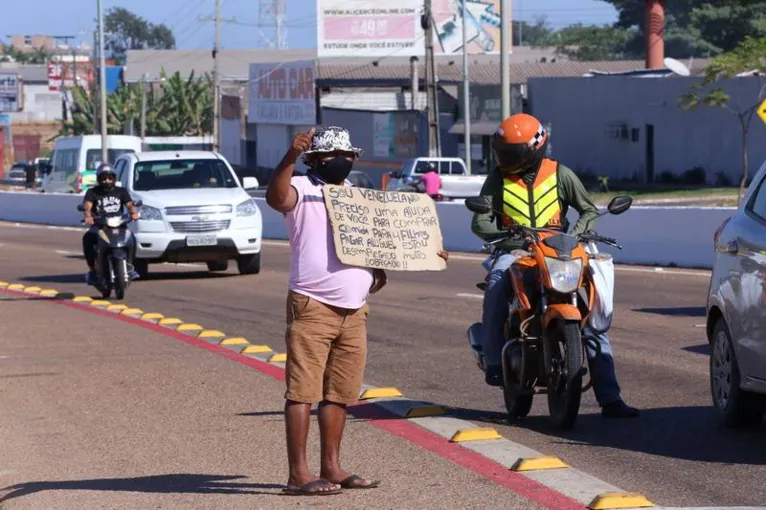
x: 247, y: 208
x: 565, y: 274
x: 114, y: 222
x: 150, y: 213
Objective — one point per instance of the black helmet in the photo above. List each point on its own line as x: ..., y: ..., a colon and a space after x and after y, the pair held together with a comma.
x: 105, y: 170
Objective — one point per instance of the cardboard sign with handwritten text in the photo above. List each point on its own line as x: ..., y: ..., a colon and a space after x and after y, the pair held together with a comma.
x: 392, y: 230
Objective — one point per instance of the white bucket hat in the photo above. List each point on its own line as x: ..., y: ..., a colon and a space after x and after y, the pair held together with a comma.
x: 331, y: 139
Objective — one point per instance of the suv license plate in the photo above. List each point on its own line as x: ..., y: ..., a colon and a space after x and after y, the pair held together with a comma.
x: 208, y: 240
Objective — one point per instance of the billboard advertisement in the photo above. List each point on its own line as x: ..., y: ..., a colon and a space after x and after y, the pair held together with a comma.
x: 10, y: 93
x: 370, y: 28
x: 61, y: 75
x: 282, y: 93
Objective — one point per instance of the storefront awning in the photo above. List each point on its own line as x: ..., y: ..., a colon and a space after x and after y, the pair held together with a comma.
x: 477, y: 128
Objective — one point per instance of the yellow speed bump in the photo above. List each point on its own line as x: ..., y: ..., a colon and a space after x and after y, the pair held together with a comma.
x: 4, y: 285
x: 427, y: 410
x: 538, y: 463
x: 610, y: 500
x: 16, y: 286
x: 256, y: 349
x: 152, y: 316
x: 116, y: 308
x: 212, y: 333
x: 278, y: 358
x: 170, y: 321
x: 474, y: 435
x: 49, y: 292
x: 233, y: 341
x: 132, y: 311
x: 380, y: 392
x: 100, y: 302
x: 189, y: 328
x: 32, y: 290
x: 82, y: 299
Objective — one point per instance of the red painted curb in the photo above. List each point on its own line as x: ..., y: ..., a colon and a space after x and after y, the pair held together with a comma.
x: 374, y: 414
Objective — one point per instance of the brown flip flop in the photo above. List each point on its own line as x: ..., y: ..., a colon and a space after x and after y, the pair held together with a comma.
x: 351, y: 483
x: 311, y: 489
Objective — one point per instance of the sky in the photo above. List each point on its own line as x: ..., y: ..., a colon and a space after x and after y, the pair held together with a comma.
x: 76, y: 18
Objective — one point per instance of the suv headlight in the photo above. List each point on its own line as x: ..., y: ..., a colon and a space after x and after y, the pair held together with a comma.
x: 150, y: 213
x: 565, y: 274
x: 247, y: 208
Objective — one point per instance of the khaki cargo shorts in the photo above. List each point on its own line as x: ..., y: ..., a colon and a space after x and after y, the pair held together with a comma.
x: 326, y: 351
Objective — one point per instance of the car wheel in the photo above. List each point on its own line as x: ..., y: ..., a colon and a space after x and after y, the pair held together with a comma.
x: 218, y: 265
x: 249, y: 264
x: 735, y: 406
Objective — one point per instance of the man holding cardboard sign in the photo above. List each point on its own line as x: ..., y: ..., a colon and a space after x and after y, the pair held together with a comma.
x: 326, y: 306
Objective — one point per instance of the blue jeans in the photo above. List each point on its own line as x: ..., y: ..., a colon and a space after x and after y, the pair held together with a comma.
x: 495, y: 315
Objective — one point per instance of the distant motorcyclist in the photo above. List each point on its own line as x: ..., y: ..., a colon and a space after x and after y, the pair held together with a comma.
x: 108, y: 199
x: 534, y: 191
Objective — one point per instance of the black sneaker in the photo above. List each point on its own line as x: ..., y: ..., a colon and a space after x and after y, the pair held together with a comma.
x: 91, y: 278
x: 619, y: 409
x: 494, y: 375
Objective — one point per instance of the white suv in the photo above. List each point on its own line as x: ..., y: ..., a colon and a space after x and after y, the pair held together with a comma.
x: 194, y: 210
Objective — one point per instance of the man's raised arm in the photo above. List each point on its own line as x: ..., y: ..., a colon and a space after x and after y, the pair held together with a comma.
x: 280, y: 194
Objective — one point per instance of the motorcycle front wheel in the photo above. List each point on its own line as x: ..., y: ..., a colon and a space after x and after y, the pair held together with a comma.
x: 564, y: 366
x: 120, y: 278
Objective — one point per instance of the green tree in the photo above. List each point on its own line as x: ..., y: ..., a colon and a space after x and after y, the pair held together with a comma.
x: 181, y: 107
x: 539, y: 34
x: 749, y: 56
x: 590, y: 42
x: 127, y: 31
x: 696, y: 28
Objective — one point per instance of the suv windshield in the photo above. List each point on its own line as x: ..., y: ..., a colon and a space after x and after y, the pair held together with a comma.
x: 93, y: 156
x: 182, y: 174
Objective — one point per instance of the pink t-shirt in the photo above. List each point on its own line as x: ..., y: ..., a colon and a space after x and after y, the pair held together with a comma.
x: 315, y: 269
x: 432, y: 183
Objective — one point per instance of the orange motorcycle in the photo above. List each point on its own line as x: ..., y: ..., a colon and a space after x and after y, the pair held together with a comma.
x: 552, y: 296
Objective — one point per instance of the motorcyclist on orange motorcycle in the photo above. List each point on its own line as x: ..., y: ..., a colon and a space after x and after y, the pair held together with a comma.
x: 533, y: 190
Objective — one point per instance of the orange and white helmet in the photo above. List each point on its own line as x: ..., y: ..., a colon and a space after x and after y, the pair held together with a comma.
x: 519, y: 143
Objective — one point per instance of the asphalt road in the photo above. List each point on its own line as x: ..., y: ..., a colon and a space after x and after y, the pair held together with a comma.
x: 675, y: 453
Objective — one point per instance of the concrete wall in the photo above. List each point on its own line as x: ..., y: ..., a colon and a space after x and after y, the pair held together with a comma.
x: 587, y: 115
x: 231, y: 141
x: 681, y: 236
x: 40, y: 105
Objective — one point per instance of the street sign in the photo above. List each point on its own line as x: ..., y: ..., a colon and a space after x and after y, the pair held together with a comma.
x: 10, y: 93
x: 762, y: 111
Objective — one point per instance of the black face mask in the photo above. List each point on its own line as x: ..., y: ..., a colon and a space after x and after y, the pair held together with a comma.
x: 108, y: 186
x: 334, y: 170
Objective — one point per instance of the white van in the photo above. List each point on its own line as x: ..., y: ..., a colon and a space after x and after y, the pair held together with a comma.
x: 75, y: 160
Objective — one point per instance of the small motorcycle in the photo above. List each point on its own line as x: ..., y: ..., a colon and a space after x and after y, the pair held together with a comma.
x: 115, y: 242
x: 553, y: 296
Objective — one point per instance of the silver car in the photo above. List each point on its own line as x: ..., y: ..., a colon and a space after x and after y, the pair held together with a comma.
x: 736, y: 311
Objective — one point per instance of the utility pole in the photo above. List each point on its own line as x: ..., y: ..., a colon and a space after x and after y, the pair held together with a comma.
x: 216, y: 73
x: 434, y: 136
x: 143, y: 105
x: 505, y: 48
x: 102, y: 81
x: 466, y: 93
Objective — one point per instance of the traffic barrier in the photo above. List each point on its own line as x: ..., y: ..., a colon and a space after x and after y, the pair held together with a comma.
x: 679, y: 236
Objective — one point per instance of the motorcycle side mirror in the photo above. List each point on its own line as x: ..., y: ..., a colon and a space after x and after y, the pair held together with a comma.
x: 80, y: 207
x: 479, y: 205
x: 619, y: 204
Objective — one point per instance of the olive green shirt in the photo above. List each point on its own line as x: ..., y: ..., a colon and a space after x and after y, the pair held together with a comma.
x: 571, y: 192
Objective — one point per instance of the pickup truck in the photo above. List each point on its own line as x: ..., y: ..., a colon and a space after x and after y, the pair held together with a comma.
x: 456, y: 181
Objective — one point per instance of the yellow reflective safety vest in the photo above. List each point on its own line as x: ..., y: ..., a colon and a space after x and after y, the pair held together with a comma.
x: 536, y: 206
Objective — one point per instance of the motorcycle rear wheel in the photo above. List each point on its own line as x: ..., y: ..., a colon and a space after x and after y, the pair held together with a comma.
x: 517, y: 404
x: 564, y: 367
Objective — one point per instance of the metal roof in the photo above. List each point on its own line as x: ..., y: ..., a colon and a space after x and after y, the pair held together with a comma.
x: 32, y: 74
x: 366, y: 72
